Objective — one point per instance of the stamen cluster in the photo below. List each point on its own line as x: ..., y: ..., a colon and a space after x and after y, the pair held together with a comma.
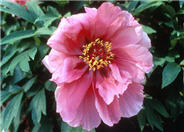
x: 97, y: 54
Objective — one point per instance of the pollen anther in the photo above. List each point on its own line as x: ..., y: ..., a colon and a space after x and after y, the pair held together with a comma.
x: 97, y: 54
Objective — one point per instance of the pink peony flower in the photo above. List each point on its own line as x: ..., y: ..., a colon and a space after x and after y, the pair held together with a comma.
x: 20, y: 2
x: 98, y: 61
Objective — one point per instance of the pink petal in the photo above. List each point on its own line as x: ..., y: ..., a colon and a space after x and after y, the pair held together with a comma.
x: 128, y: 68
x: 69, y: 96
x: 107, y: 13
x: 123, y: 20
x: 54, y: 60
x: 70, y: 35
x: 87, y: 115
x: 126, y: 36
x: 69, y: 70
x: 110, y: 114
x: 111, y: 85
x: 145, y: 41
x: 132, y: 100
x: 137, y: 55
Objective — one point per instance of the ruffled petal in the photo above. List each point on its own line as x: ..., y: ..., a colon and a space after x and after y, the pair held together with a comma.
x: 71, y: 69
x: 69, y: 96
x: 87, y: 115
x: 112, y: 85
x: 145, y: 41
x: 54, y: 60
x: 107, y: 13
x: 110, y: 114
x: 71, y: 34
x: 127, y: 36
x: 132, y: 100
x: 137, y: 55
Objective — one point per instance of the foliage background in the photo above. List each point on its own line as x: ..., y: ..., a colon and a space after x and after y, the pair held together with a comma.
x: 27, y: 96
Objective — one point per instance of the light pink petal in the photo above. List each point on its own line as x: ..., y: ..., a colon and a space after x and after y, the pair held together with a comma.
x: 107, y: 13
x: 123, y: 21
x: 126, y: 36
x: 111, y: 85
x: 71, y: 69
x: 145, y: 41
x: 87, y: 115
x: 110, y: 114
x: 137, y: 55
x: 128, y: 68
x: 54, y: 60
x: 132, y: 100
x: 69, y: 96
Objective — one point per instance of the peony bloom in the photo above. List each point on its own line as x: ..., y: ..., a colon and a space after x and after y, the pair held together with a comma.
x: 20, y: 2
x: 98, y: 61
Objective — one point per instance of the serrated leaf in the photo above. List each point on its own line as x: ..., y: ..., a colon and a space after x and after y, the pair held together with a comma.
x: 11, y: 111
x: 66, y: 128
x: 141, y: 119
x: 169, y: 74
x: 29, y: 84
x: 148, y: 29
x: 9, y: 53
x: 38, y: 105
x: 23, y: 59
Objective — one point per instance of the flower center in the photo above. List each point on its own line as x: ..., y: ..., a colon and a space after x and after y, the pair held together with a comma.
x: 97, y: 54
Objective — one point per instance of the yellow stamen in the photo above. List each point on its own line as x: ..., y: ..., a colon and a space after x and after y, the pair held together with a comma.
x: 97, y: 54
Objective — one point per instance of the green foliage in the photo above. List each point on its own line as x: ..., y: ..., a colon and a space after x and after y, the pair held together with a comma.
x: 27, y: 95
x: 170, y: 73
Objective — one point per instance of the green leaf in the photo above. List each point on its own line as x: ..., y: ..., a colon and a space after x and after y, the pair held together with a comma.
x: 9, y: 53
x: 147, y: 5
x: 158, y: 106
x: 153, y: 118
x: 24, y: 65
x: 44, y: 31
x: 13, y: 37
x: 16, y: 9
x: 17, y: 119
x: 68, y: 14
x: 148, y: 29
x: 183, y: 76
x: 18, y: 75
x: 23, y: 59
x: 67, y: 128
x: 4, y: 96
x: 29, y: 84
x: 141, y: 119
x: 38, y: 105
x: 46, y: 20
x: 34, y: 8
x: 45, y: 125
x: 169, y: 74
x: 11, y: 111
x: 50, y: 86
